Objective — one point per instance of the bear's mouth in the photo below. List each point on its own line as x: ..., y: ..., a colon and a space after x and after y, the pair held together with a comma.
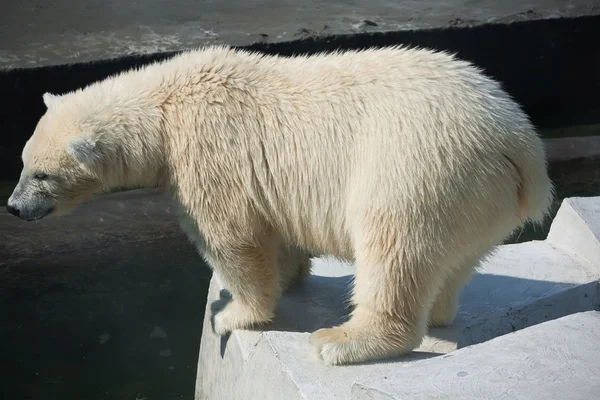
x: 39, y: 216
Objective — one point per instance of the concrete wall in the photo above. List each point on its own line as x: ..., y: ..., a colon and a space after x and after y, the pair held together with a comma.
x: 37, y: 33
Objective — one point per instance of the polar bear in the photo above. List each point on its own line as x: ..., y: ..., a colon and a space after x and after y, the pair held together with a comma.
x: 408, y: 162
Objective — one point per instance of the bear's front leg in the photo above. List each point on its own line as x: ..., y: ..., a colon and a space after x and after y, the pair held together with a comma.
x: 395, y: 283
x: 249, y: 271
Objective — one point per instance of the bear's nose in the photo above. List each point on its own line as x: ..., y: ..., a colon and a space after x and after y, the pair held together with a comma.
x: 12, y: 210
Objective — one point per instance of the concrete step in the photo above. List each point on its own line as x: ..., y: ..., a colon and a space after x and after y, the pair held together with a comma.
x: 520, y: 286
x: 554, y: 360
x: 576, y: 228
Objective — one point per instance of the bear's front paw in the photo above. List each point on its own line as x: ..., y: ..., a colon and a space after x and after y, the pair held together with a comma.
x: 330, y: 345
x: 351, y: 344
x: 229, y: 315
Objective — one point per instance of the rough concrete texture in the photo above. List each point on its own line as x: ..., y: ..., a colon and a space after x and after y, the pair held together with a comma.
x: 554, y: 360
x: 35, y: 33
x: 519, y: 286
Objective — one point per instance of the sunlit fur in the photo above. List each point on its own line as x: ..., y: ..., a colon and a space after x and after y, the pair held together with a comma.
x: 408, y: 162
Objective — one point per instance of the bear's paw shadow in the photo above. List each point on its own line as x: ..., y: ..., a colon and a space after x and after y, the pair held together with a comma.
x: 317, y: 302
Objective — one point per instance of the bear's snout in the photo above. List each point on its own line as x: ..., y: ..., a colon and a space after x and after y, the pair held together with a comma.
x: 30, y: 209
x: 14, y: 211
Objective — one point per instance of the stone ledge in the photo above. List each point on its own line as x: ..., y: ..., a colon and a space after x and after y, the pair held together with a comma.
x: 520, y: 286
x: 554, y: 360
x: 66, y: 32
x: 573, y: 147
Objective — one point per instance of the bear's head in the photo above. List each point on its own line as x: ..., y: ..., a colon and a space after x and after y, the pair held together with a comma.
x: 54, y: 178
x: 73, y: 156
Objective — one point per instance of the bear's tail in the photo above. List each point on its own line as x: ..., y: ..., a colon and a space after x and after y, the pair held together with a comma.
x: 535, y: 190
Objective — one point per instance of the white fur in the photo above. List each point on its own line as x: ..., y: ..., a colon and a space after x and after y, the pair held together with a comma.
x: 83, y: 148
x: 50, y: 99
x: 408, y: 162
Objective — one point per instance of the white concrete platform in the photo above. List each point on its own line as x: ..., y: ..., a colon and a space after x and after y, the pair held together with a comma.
x: 520, y: 286
x: 35, y: 33
x: 554, y: 360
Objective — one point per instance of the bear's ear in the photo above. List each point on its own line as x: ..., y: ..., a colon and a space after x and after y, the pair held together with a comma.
x: 84, y: 148
x: 50, y: 99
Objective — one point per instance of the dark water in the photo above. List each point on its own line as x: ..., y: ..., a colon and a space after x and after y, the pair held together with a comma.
x: 117, y: 323
x: 125, y: 321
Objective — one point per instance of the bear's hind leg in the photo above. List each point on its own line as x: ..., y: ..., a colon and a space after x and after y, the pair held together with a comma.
x: 444, y: 308
x: 294, y: 266
x: 251, y: 275
x: 396, y: 280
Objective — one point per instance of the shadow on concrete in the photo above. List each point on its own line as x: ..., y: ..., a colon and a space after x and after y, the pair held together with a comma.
x: 493, y: 305
x: 490, y: 305
x: 317, y: 302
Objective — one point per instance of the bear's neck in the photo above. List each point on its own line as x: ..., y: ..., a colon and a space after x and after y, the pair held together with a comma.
x: 136, y: 134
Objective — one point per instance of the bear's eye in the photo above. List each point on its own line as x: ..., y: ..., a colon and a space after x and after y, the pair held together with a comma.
x: 40, y: 176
